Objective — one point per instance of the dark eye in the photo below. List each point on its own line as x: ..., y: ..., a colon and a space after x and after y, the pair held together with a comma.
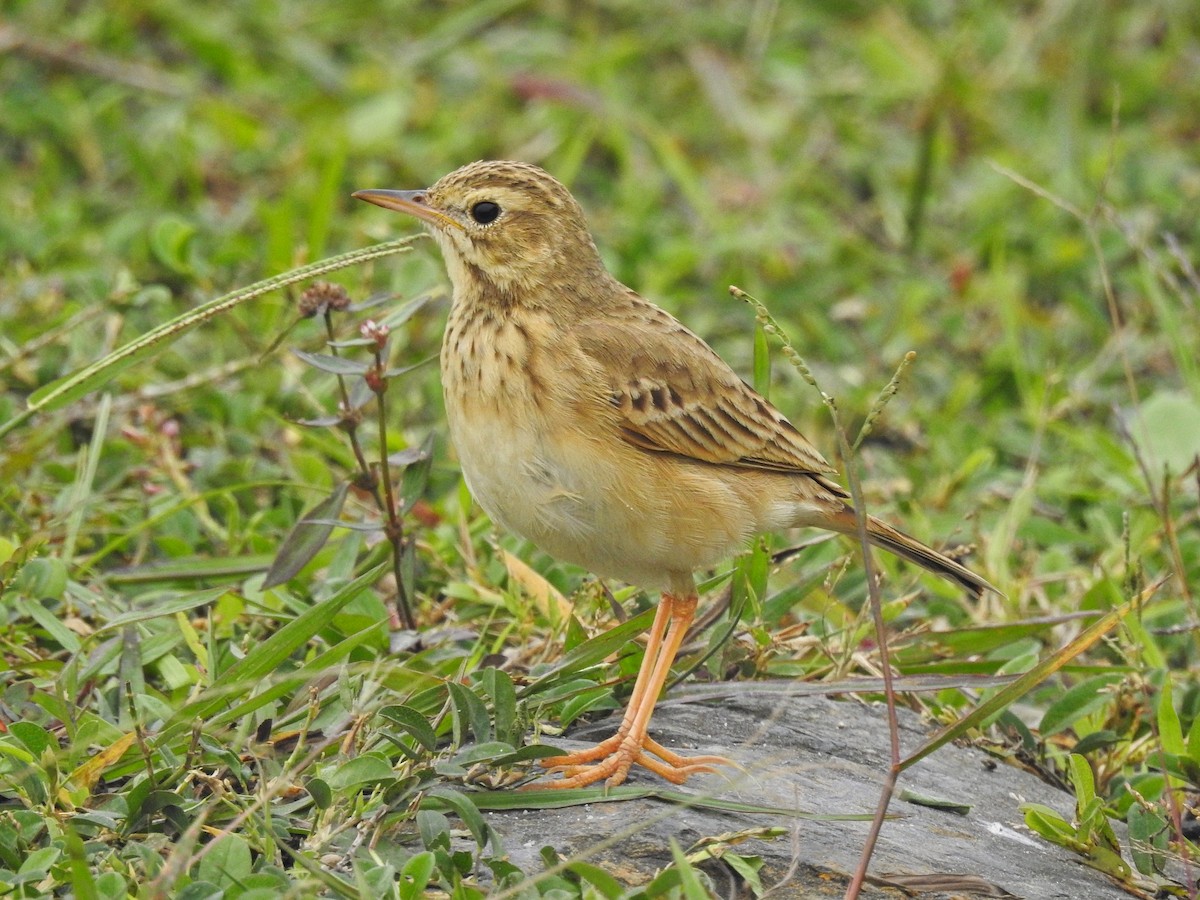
x: 485, y: 211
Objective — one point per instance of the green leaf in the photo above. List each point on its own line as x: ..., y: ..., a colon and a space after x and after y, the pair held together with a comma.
x: 1079, y: 701
x: 1183, y: 767
x: 747, y: 868
x: 416, y: 472
x: 268, y: 656
x: 762, y: 361
x: 306, y: 538
x: 415, y: 876
x: 499, y: 687
x: 592, y: 652
x: 227, y: 862
x: 413, y: 723
x: 1035, y: 676
x: 1149, y: 649
x: 954, y: 806
x: 201, y: 890
x: 470, y: 754
x: 162, y: 607
x: 361, y: 772
x: 1170, y: 730
x: 1171, y: 437
x: 1149, y: 835
x: 40, y: 861
x: 608, y: 886
x: 1110, y: 862
x: 434, y: 829
x: 1103, y: 739
x: 465, y: 809
x: 320, y: 791
x: 82, y: 881
x: 398, y: 315
x: 1053, y: 827
x: 1082, y: 780
x: 170, y: 239
x: 29, y: 779
x: 7, y: 549
x: 575, y: 636
x: 689, y: 878
x: 1193, y: 740
x: 111, y: 886
x: 547, y: 797
x: 467, y: 710
x: 42, y: 578
x: 592, y: 696
x: 34, y: 737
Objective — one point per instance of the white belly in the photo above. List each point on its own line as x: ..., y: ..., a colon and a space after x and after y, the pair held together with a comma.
x: 556, y: 499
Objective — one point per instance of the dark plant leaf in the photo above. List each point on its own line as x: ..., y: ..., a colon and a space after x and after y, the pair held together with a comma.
x: 338, y: 523
x: 404, y: 370
x: 399, y: 316
x: 954, y: 806
x: 337, y: 365
x: 322, y: 422
x: 942, y: 884
x: 549, y: 797
x: 360, y: 394
x: 416, y: 476
x: 409, y: 456
x: 306, y: 538
x: 373, y: 301
x: 1097, y: 740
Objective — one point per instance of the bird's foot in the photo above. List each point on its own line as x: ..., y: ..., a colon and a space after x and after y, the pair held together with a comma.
x: 617, y: 755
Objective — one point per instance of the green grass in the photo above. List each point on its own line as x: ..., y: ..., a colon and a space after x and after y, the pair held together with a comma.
x: 1009, y: 191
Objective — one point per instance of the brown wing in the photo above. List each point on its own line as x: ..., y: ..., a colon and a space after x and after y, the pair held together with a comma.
x: 675, y: 395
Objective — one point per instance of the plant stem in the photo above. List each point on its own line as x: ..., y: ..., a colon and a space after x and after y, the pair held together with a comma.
x: 395, y: 524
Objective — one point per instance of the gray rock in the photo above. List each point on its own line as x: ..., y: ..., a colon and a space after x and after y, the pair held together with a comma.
x: 819, y: 756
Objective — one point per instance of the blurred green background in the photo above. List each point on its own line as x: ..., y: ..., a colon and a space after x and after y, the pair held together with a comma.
x: 854, y: 165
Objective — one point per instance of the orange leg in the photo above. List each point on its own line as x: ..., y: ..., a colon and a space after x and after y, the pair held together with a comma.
x: 632, y: 743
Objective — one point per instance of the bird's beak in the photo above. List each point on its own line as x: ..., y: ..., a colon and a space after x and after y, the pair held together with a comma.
x: 411, y: 202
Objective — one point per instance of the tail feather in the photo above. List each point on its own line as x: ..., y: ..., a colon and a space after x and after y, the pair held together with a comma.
x: 888, y: 538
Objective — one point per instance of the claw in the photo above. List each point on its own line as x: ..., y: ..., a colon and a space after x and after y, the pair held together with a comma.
x: 612, y: 759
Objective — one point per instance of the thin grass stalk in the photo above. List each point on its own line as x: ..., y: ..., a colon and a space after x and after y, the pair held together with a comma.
x: 846, y: 450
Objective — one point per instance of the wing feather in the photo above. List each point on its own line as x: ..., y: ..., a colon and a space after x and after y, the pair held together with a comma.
x: 674, y: 395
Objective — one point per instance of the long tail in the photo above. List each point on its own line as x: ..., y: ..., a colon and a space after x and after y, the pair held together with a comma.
x: 885, y: 536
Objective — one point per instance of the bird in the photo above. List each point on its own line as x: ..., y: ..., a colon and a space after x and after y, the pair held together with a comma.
x: 593, y: 423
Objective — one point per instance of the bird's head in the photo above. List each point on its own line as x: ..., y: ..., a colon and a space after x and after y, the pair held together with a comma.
x: 505, y: 225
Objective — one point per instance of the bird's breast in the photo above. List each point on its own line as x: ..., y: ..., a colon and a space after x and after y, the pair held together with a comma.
x: 521, y: 430
x: 541, y: 448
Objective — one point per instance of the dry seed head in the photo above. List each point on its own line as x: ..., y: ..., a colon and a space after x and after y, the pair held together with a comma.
x: 322, y: 295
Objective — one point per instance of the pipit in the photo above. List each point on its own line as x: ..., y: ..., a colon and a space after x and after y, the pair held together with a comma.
x: 593, y: 423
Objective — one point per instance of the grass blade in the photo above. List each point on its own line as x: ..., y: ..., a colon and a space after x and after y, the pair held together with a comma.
x: 1031, y: 679
x: 66, y: 390
x: 270, y: 655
